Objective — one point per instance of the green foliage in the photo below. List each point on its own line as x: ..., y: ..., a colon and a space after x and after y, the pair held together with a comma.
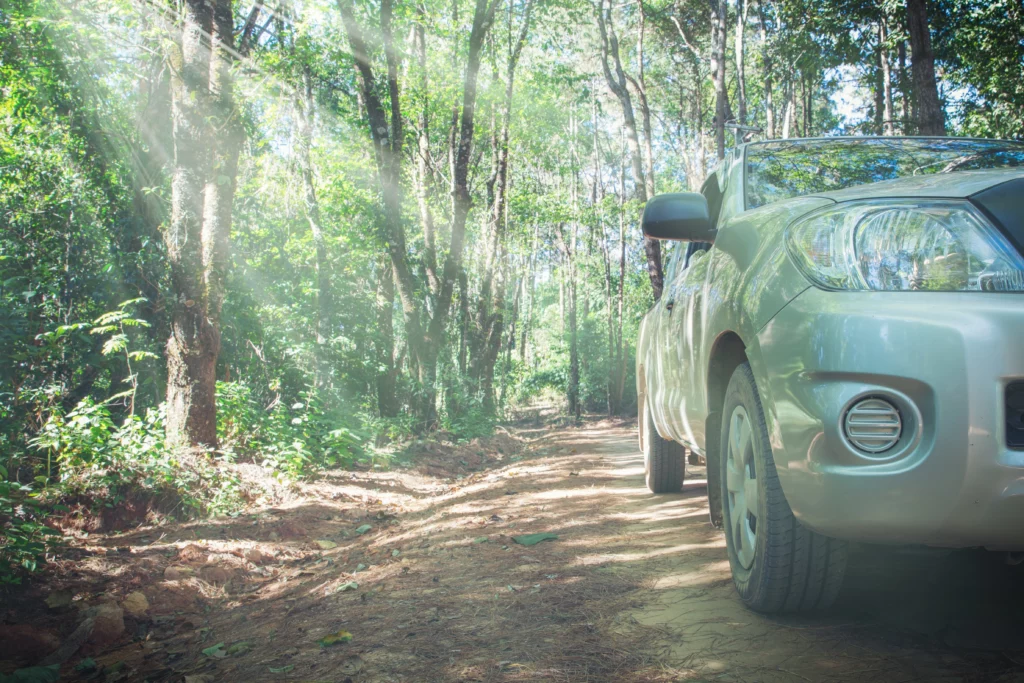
x: 471, y: 421
x: 291, y: 440
x: 24, y: 536
x: 105, y: 463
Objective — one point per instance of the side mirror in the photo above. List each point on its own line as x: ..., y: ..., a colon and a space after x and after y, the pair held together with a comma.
x: 681, y: 216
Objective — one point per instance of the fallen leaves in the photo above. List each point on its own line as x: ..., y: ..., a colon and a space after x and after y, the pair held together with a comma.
x: 216, y: 651
x: 336, y: 638
x: 534, y: 539
x: 347, y: 586
x: 282, y: 669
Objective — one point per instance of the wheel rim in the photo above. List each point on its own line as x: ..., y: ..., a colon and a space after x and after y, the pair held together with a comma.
x: 741, y: 483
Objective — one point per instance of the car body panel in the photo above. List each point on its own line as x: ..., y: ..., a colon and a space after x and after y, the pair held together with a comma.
x: 945, y: 365
x: 736, y: 287
x: 810, y: 348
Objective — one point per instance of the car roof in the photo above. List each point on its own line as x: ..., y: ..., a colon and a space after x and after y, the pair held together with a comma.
x: 827, y: 138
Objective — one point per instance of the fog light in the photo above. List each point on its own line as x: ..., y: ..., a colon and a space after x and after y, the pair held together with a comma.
x: 873, y: 425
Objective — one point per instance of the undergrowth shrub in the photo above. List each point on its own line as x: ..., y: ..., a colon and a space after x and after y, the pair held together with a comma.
x: 24, y: 536
x: 471, y: 421
x: 290, y: 439
x: 94, y: 459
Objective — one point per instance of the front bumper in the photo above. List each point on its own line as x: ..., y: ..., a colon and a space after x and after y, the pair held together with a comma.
x: 944, y: 359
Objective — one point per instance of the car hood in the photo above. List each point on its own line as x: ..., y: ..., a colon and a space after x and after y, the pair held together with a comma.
x: 946, y: 185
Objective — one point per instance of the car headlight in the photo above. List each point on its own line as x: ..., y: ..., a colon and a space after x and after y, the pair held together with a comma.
x: 902, y: 245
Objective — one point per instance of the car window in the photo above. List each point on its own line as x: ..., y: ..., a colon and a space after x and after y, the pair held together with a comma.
x: 782, y: 169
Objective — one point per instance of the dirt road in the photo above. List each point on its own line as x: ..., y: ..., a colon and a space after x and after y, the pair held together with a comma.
x: 421, y: 571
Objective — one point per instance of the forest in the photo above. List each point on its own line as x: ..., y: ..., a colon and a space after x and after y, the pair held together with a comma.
x: 301, y: 233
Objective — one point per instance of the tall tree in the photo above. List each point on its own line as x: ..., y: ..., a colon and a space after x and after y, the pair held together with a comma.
x: 719, y: 10
x: 207, y: 140
x: 425, y: 329
x: 888, y: 124
x: 930, y: 117
x: 615, y: 77
x: 491, y: 303
x: 741, y: 72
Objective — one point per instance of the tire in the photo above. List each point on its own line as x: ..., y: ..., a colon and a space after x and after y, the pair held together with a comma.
x: 663, y: 459
x: 778, y: 565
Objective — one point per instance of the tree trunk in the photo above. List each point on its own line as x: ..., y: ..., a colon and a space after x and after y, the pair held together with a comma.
x: 766, y: 58
x: 388, y: 158
x: 904, y: 86
x: 930, y: 118
x: 888, y: 126
x: 423, y: 176
x: 491, y: 309
x: 617, y: 83
x: 741, y: 75
x: 425, y: 341
x: 482, y: 20
x: 528, y: 303
x: 619, y: 355
x: 305, y: 109
x: 567, y: 245
x: 194, y: 340
x: 463, y: 322
x: 879, y: 93
x: 609, y: 319
x: 787, y: 115
x: 645, y: 110
x: 387, y: 373
x: 719, y: 9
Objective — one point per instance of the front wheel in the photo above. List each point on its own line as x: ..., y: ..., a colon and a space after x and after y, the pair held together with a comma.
x: 777, y: 564
x: 663, y: 459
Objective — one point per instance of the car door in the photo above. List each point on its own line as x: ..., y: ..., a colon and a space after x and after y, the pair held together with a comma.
x: 659, y: 377
x: 685, y: 404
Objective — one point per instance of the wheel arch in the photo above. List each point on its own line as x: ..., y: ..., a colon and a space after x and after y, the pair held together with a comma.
x: 727, y: 353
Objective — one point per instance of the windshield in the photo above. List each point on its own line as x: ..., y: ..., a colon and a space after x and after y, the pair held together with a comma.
x: 783, y: 169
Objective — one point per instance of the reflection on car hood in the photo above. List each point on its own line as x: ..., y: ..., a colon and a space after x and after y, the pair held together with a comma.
x: 958, y: 184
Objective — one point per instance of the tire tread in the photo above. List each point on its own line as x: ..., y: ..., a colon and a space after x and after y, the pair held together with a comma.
x: 803, y: 570
x: 666, y: 466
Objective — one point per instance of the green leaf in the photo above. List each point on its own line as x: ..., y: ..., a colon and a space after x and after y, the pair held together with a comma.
x: 87, y: 665
x: 534, y: 539
x: 116, y: 344
x: 282, y: 669
x: 216, y: 651
x: 336, y: 638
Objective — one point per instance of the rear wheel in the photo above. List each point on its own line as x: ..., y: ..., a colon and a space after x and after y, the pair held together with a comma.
x: 777, y: 564
x: 663, y: 459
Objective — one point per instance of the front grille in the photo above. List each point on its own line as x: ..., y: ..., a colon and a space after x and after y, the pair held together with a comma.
x: 1015, y: 415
